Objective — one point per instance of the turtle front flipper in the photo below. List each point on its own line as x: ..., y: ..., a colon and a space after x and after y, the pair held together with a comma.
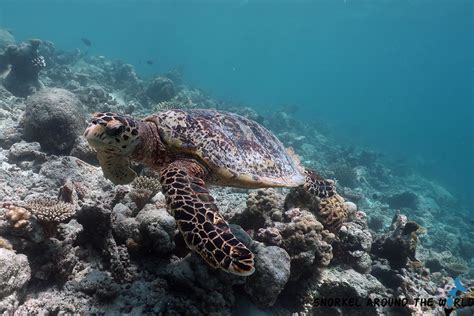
x: 204, y: 229
x: 116, y: 168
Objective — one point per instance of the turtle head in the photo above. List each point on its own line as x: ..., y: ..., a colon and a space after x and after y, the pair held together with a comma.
x: 115, y: 137
x: 113, y: 133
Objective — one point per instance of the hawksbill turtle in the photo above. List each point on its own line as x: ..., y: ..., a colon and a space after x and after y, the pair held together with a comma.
x: 195, y: 148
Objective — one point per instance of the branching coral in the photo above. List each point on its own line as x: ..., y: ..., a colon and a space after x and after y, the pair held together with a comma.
x: 147, y: 183
x: 50, y: 212
x: 47, y: 209
x: 144, y: 188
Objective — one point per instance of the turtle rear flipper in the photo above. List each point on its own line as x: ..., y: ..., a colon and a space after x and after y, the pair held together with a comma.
x: 197, y: 216
x: 116, y: 168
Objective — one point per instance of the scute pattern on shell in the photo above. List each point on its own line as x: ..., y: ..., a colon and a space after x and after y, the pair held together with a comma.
x: 238, y: 151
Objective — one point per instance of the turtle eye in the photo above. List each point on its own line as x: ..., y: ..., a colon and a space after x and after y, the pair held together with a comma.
x: 115, y: 131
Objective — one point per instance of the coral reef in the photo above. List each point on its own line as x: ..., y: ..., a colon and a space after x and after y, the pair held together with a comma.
x: 295, y: 230
x: 333, y: 212
x: 92, y: 248
x: 50, y: 212
x: 25, y: 64
x: 262, y: 206
x: 157, y: 228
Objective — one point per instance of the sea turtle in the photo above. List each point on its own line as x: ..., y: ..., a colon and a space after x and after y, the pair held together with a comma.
x: 192, y: 149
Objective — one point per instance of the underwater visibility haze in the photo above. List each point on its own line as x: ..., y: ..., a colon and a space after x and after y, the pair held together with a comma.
x: 108, y: 213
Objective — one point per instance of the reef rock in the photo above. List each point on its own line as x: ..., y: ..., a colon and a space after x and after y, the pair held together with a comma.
x: 14, y: 273
x: 337, y: 283
x: 399, y: 244
x: 84, y: 151
x: 160, y: 89
x: 26, y: 155
x: 208, y: 291
x: 157, y: 227
x: 273, y: 272
x: 54, y: 118
x: 352, y: 247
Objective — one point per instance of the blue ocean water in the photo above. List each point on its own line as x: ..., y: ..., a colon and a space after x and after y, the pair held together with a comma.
x: 396, y: 76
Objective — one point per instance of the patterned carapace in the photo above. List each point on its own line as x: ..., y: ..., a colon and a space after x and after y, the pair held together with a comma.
x: 239, y: 151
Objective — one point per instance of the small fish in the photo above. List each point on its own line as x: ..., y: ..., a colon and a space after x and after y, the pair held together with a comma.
x: 150, y: 62
x: 86, y: 42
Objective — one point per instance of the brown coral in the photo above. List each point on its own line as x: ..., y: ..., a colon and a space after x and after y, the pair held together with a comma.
x: 263, y: 206
x: 332, y: 212
x: 306, y: 241
x: 18, y: 217
x: 5, y: 244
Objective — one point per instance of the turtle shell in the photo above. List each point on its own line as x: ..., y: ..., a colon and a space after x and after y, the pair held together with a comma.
x: 237, y: 151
